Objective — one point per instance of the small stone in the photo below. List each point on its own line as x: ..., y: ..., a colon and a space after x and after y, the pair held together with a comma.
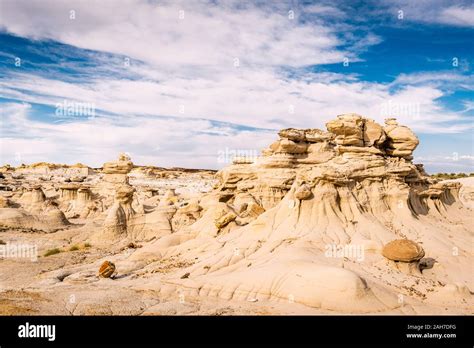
x: 107, y: 269
x: 252, y: 210
x: 225, y: 220
x: 303, y: 192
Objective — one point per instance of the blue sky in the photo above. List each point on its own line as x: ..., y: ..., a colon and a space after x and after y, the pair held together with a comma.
x: 175, y: 83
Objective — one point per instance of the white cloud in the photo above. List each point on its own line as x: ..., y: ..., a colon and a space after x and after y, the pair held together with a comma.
x: 252, y: 98
x: 455, y: 162
x: 154, y: 141
x: 185, y: 69
x: 151, y: 141
x: 458, y: 15
x: 438, y: 78
x: 208, y: 34
x: 326, y: 10
x: 434, y: 11
x: 468, y: 105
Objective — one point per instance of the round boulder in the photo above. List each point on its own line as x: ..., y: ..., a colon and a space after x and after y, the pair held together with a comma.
x: 403, y: 250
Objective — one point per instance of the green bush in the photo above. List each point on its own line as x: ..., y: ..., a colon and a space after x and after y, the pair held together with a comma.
x: 451, y: 175
x: 52, y: 252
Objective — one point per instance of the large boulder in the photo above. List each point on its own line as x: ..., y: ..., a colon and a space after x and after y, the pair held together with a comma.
x: 348, y: 129
x: 374, y: 135
x: 401, y: 141
x: 403, y: 250
x: 292, y: 134
x: 314, y: 135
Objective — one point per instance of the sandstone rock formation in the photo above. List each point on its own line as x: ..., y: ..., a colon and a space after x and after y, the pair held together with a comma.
x: 302, y: 228
x: 68, y: 192
x: 353, y: 151
x: 127, y: 218
x: 48, y: 170
x: 353, y: 186
x: 122, y: 166
x: 405, y: 254
x: 115, y: 173
x: 119, y: 216
x: 34, y: 211
x: 77, y: 201
x: 401, y: 140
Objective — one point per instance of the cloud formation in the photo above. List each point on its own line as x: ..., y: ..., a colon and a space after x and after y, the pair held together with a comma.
x: 155, y: 141
x: 174, y: 34
x: 456, y: 13
x: 176, y: 82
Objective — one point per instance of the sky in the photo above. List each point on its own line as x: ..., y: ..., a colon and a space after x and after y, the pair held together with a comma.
x: 189, y: 83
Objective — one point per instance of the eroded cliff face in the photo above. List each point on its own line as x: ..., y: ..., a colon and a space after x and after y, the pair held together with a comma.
x: 356, y: 167
x: 266, y: 228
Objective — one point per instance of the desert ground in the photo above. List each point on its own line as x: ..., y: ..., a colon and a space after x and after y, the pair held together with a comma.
x: 336, y: 221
